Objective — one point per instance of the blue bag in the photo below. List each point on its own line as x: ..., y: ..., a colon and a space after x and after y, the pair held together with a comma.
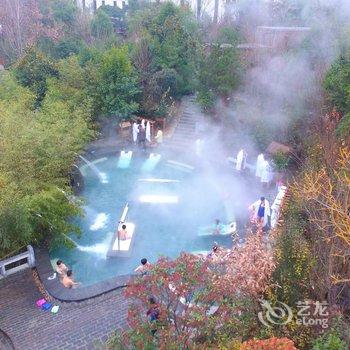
x: 46, y: 306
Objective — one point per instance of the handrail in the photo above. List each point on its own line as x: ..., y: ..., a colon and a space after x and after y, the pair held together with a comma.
x: 29, y: 255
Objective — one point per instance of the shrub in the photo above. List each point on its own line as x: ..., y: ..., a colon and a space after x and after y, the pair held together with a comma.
x: 329, y: 341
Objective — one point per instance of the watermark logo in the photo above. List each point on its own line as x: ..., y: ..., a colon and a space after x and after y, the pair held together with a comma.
x: 279, y: 314
x: 310, y: 313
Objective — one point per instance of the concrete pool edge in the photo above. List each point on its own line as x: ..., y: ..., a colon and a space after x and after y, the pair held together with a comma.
x: 56, y: 290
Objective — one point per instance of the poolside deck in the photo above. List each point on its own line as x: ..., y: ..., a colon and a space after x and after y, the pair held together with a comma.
x: 78, y: 325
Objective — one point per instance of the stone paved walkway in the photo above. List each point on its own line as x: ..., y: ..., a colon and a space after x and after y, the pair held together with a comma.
x: 85, y: 325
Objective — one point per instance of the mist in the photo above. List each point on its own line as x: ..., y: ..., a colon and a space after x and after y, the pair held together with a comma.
x: 282, y: 85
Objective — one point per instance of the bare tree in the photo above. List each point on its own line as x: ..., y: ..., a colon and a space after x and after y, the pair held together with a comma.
x: 21, y: 22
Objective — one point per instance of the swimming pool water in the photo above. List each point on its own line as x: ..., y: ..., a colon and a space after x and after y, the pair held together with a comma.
x: 161, y: 228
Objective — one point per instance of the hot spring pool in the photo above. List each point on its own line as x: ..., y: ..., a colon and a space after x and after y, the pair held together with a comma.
x: 160, y: 228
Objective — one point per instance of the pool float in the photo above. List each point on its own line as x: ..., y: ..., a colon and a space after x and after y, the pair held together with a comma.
x: 224, y: 230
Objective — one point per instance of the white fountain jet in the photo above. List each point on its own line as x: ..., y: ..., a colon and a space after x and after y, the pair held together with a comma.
x: 124, y: 159
x: 102, y: 176
x: 151, y: 162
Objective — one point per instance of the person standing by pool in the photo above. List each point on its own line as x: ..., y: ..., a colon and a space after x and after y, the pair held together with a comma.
x: 148, y: 132
x: 241, y: 160
x: 159, y: 137
x: 68, y: 280
x: 142, y: 137
x: 135, y: 131
x: 261, y: 212
x: 259, y: 165
x: 144, y: 267
x: 153, y: 313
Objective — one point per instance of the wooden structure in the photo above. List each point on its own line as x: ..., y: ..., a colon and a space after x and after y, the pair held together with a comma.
x: 281, y: 38
x: 276, y: 147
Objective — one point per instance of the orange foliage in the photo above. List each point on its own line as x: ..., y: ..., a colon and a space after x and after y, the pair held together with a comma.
x: 269, y: 344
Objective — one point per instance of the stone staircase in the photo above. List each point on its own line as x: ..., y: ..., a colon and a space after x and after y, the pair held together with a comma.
x: 184, y: 135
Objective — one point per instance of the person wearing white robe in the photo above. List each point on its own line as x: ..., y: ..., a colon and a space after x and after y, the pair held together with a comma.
x: 143, y: 124
x: 159, y: 137
x: 148, y: 131
x: 135, y: 131
x: 259, y: 165
x: 266, y: 173
x: 240, y: 160
x: 256, y: 209
x: 199, y: 147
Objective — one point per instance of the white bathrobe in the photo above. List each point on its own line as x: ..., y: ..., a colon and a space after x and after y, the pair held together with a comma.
x: 198, y: 147
x: 266, y: 173
x: 259, y: 165
x: 255, y: 208
x: 240, y: 160
x: 135, y: 131
x: 148, y: 131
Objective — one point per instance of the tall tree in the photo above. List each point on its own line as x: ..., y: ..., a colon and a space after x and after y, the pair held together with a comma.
x: 216, y: 11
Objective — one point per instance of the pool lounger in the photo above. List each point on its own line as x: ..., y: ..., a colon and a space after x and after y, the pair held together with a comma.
x: 176, y: 167
x: 181, y: 165
x: 201, y: 252
x: 225, y: 231
x: 125, y: 246
x: 158, y: 180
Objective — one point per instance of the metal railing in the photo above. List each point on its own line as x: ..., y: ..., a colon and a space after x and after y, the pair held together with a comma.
x: 17, y: 262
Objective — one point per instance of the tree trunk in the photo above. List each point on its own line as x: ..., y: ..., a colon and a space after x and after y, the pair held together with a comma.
x: 199, y: 9
x: 216, y: 11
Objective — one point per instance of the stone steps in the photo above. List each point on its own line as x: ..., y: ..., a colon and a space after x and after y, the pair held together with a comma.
x: 185, y: 132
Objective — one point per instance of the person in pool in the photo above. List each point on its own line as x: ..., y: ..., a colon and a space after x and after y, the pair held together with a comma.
x: 123, y: 234
x: 143, y: 268
x: 68, y: 280
x: 61, y: 268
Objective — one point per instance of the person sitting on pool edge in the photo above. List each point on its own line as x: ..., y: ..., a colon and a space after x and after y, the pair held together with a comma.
x: 61, y: 268
x: 68, y: 280
x: 143, y: 268
x: 123, y: 234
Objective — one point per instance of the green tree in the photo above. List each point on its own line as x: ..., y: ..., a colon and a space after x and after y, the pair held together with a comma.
x: 219, y: 69
x: 337, y: 86
x: 64, y: 11
x: 101, y: 26
x: 37, y: 150
x: 173, y: 35
x: 294, y: 260
x: 117, y: 83
x: 32, y: 70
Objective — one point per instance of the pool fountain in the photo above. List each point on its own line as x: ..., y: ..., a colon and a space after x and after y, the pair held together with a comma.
x: 166, y: 205
x: 102, y: 176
